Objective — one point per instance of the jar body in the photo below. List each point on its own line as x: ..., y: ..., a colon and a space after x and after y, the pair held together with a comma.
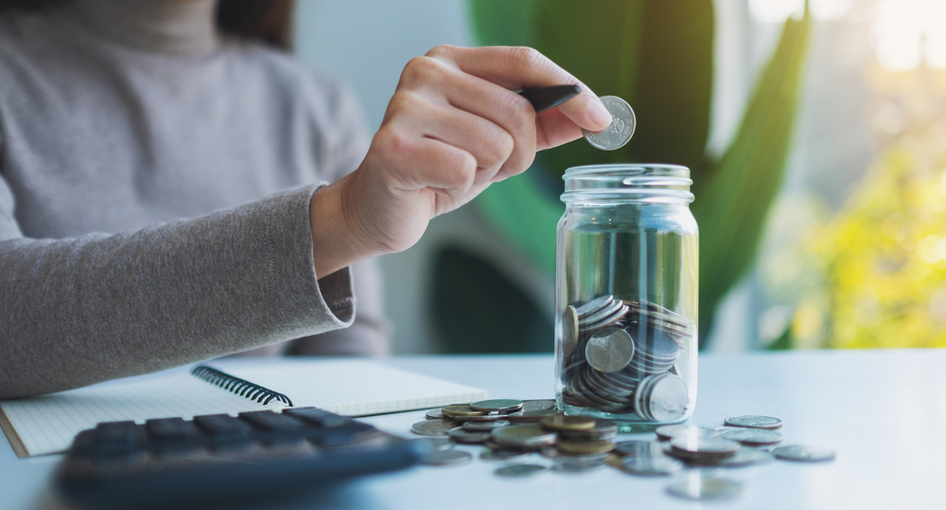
x: 626, y: 295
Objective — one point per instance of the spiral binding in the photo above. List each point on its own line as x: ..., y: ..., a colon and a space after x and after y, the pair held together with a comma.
x: 241, y: 387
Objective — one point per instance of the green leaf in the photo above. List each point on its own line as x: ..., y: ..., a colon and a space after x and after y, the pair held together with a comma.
x: 732, y: 204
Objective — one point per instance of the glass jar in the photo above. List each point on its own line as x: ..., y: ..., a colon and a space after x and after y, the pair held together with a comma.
x: 626, y: 295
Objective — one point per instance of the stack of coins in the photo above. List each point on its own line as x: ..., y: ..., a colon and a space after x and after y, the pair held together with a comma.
x: 619, y: 357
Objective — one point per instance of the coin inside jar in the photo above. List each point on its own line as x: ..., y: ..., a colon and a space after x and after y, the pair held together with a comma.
x: 621, y: 129
x: 569, y: 330
x: 609, y: 349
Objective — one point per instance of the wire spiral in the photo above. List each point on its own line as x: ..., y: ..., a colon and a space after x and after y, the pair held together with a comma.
x: 241, y: 387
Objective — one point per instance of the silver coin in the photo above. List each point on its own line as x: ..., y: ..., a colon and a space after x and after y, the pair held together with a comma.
x: 578, y: 464
x: 623, y: 123
x: 594, y: 305
x: 668, y: 432
x: 433, y: 427
x: 526, y: 435
x: 504, y: 454
x: 446, y: 458
x: 435, y: 443
x: 531, y: 416
x: 662, y: 398
x: 461, y: 435
x: 485, y: 426
x: 753, y: 436
x: 703, y: 447
x: 609, y: 349
x: 435, y: 414
x: 602, y: 314
x: 754, y: 421
x: 744, y: 456
x: 538, y: 405
x: 695, y: 485
x: 521, y: 470
x: 498, y: 405
x: 481, y: 418
x: 569, y: 330
x: 639, y: 449
x: 803, y: 453
x: 651, y: 466
x: 603, y: 429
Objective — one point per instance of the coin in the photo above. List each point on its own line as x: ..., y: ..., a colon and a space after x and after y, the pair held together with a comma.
x: 497, y: 405
x: 503, y: 454
x: 638, y: 448
x: 538, y: 405
x: 662, y: 398
x: 461, y: 435
x: 460, y: 410
x: 753, y: 436
x: 651, y: 466
x: 695, y: 485
x: 609, y: 349
x: 569, y: 464
x: 435, y: 414
x: 481, y: 426
x: 668, y: 432
x: 754, y: 421
x: 435, y: 443
x: 594, y: 305
x: 603, y: 429
x: 526, y: 435
x: 521, y: 470
x: 481, y: 418
x: 568, y: 422
x: 433, y: 427
x: 702, y: 447
x: 585, y: 447
x: 446, y: 458
x: 569, y: 330
x: 621, y: 129
x: 803, y: 453
x: 529, y: 416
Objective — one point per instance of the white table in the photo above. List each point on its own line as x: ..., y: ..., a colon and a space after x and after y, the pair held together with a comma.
x: 884, y: 412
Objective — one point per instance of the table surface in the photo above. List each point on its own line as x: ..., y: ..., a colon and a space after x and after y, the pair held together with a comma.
x: 883, y: 412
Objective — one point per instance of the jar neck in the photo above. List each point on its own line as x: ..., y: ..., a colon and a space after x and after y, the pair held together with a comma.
x: 627, y: 183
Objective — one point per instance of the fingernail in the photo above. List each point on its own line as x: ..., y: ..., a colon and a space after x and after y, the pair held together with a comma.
x: 599, y: 114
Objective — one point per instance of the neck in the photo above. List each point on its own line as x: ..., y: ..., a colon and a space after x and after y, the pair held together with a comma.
x: 163, y: 26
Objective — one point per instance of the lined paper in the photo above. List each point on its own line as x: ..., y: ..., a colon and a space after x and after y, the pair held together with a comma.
x: 47, y: 424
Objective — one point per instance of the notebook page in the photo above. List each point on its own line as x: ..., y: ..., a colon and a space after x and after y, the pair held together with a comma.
x: 354, y: 387
x: 47, y: 424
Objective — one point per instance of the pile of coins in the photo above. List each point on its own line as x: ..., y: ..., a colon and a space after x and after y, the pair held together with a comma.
x: 514, y: 430
x: 620, y: 357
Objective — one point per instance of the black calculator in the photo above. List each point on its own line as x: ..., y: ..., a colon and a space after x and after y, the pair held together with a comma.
x: 213, y: 459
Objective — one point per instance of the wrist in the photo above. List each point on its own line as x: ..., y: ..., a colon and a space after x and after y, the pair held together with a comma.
x: 337, y: 242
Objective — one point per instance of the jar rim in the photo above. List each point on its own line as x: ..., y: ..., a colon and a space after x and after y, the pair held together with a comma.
x: 629, y: 169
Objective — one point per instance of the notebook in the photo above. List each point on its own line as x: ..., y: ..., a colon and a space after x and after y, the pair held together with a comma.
x: 47, y: 424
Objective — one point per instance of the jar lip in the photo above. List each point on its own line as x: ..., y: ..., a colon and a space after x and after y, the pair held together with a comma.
x: 628, y: 169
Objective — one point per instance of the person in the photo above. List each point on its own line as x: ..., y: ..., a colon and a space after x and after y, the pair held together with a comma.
x: 173, y: 191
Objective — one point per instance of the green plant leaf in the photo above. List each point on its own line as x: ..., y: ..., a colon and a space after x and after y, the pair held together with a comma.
x: 732, y: 204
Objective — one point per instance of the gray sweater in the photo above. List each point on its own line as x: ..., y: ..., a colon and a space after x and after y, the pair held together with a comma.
x: 155, y: 179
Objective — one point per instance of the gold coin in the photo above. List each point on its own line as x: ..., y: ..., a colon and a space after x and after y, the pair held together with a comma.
x: 568, y: 422
x: 586, y: 447
x: 460, y: 410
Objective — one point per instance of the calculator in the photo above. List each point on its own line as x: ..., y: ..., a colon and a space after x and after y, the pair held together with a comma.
x: 218, y: 458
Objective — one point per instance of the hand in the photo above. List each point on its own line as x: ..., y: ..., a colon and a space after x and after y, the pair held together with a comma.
x: 453, y: 127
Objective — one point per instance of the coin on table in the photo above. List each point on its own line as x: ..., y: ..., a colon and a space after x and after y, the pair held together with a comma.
x: 521, y: 470
x: 695, y: 485
x: 585, y: 447
x: 754, y: 421
x: 524, y: 436
x: 623, y: 123
x: 538, y: 415
x: 481, y: 418
x: 753, y: 436
x: 461, y: 435
x: 803, y: 453
x: 744, y: 456
x: 435, y: 414
x: 651, y: 466
x: 435, y: 443
x: 504, y: 454
x: 569, y: 330
x: 603, y: 429
x: 538, y: 405
x: 446, y: 458
x: 562, y: 422
x: 499, y: 405
x: 639, y: 449
x: 485, y: 426
x: 668, y: 432
x: 702, y: 447
x: 460, y: 410
x: 433, y: 427
x: 580, y: 464
x: 609, y: 349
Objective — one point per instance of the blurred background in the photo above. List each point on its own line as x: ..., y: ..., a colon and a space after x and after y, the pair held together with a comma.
x: 815, y: 132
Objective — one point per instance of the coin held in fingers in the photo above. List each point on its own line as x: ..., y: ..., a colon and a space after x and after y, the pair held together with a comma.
x: 623, y: 124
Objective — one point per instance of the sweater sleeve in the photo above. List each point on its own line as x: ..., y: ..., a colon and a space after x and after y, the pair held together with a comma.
x: 81, y: 310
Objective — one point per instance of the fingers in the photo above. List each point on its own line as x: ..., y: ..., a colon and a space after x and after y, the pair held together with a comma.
x: 521, y: 67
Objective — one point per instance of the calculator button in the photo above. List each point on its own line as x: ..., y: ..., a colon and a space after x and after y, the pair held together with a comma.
x: 317, y: 416
x: 115, y: 440
x: 223, y: 426
x: 170, y: 428
x: 272, y: 422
